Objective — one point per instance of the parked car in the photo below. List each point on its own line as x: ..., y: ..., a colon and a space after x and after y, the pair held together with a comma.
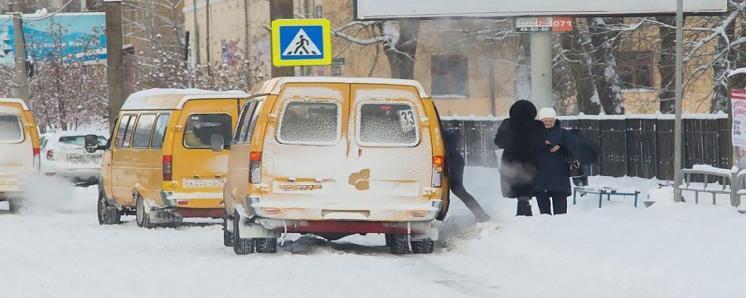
x: 335, y: 157
x: 64, y: 155
x: 19, y: 150
x: 158, y: 164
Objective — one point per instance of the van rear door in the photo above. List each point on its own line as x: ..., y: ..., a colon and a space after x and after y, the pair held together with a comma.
x: 391, y: 146
x: 16, y: 145
x: 196, y: 168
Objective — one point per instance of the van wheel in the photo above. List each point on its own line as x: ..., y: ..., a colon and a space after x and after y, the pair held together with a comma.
x: 14, y: 205
x: 389, y: 239
x: 399, y: 245
x: 266, y: 245
x: 424, y: 246
x: 227, y: 235
x: 143, y: 220
x: 241, y: 246
x: 107, y: 214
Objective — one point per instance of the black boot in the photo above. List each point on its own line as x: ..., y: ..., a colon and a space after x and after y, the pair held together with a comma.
x: 524, y: 209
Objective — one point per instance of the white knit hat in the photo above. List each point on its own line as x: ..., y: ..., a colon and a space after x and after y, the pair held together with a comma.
x: 547, y: 113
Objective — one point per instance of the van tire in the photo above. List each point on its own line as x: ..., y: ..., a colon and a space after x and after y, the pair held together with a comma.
x: 241, y: 246
x: 227, y: 235
x: 142, y: 218
x: 265, y: 245
x: 14, y: 206
x: 424, y: 246
x: 399, y: 245
x: 389, y: 239
x: 107, y: 214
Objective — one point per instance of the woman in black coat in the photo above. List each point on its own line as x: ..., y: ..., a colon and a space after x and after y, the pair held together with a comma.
x: 553, y: 180
x: 522, y: 138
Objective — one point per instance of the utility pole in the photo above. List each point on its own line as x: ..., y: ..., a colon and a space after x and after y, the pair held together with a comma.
x: 247, y: 27
x: 541, y: 69
x: 207, y: 35
x: 678, y: 132
x: 195, y: 47
x: 114, y: 71
x: 281, y: 9
x: 20, y: 90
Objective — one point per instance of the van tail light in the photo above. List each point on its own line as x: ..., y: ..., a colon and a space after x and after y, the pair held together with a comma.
x: 50, y: 154
x: 255, y: 167
x: 37, y: 158
x: 437, y: 178
x: 167, y: 168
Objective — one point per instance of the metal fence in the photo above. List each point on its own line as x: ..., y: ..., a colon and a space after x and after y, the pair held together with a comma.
x: 640, y: 146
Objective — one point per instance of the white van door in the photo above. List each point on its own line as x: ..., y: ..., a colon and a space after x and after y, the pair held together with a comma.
x: 391, y: 149
x: 16, y: 148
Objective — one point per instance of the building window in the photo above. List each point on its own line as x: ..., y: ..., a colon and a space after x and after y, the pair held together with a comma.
x: 635, y: 70
x: 450, y: 76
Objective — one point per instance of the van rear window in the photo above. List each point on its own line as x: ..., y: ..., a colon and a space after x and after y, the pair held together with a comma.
x: 388, y: 124
x: 11, y: 130
x: 79, y: 140
x: 200, y: 128
x: 310, y: 123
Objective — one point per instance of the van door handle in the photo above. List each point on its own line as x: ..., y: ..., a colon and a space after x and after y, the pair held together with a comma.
x: 359, y: 152
x: 218, y: 176
x: 196, y: 176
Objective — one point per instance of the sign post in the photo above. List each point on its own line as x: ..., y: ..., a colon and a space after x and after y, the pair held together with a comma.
x: 299, y: 42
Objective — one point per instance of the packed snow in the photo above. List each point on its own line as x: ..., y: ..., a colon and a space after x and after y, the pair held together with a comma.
x: 55, y: 248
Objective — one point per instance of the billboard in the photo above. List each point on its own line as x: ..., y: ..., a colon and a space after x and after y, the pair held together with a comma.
x: 70, y: 36
x: 397, y: 9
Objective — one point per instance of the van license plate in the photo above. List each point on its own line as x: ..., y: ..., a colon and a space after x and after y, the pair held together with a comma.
x: 203, y: 183
x: 298, y: 187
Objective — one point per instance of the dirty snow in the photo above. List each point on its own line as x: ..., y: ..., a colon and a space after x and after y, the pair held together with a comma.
x: 57, y: 249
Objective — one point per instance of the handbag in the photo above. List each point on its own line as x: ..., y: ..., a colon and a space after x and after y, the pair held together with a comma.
x: 575, y: 169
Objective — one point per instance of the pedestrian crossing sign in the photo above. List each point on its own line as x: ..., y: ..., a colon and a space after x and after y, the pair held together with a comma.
x: 301, y: 42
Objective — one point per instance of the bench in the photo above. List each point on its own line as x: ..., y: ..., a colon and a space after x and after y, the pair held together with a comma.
x: 601, y: 192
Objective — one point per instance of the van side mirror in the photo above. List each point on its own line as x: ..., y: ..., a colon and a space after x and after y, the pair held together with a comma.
x: 217, y: 143
x: 91, y: 143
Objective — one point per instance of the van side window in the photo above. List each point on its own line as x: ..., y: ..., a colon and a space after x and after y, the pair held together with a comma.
x: 128, y: 132
x: 249, y: 122
x: 123, y: 123
x: 388, y: 124
x: 200, y: 127
x: 143, y: 131
x: 243, y: 124
x: 254, y: 118
x: 309, y: 123
x: 11, y: 129
x: 160, y: 131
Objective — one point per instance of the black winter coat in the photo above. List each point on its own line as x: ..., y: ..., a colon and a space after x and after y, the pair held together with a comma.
x: 521, y: 138
x: 584, y: 150
x: 554, y: 170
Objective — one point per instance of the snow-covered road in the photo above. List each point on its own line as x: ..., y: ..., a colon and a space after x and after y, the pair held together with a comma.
x: 57, y: 249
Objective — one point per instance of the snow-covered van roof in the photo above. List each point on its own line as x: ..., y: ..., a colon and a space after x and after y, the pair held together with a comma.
x: 173, y: 99
x: 16, y: 100
x: 274, y: 86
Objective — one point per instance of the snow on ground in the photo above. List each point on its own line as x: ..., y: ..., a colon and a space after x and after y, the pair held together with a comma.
x: 57, y: 249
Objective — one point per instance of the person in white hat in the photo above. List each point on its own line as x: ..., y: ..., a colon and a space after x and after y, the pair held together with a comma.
x: 552, y: 185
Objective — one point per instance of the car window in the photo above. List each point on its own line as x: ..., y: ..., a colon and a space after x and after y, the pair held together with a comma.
x: 11, y: 129
x: 249, y: 122
x: 79, y: 140
x: 160, y: 131
x: 44, y: 141
x: 388, y: 124
x: 200, y: 128
x: 123, y: 123
x: 128, y: 132
x: 309, y: 123
x: 143, y: 131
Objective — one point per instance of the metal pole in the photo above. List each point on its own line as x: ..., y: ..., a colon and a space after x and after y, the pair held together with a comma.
x: 678, y: 132
x: 195, y: 47
x: 114, y: 71
x: 20, y: 90
x: 281, y: 9
x: 541, y: 69
x: 207, y: 35
x: 247, y: 28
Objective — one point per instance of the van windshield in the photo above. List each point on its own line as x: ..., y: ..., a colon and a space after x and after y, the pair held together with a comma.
x: 11, y: 130
x: 309, y: 122
x: 200, y: 128
x: 388, y: 124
